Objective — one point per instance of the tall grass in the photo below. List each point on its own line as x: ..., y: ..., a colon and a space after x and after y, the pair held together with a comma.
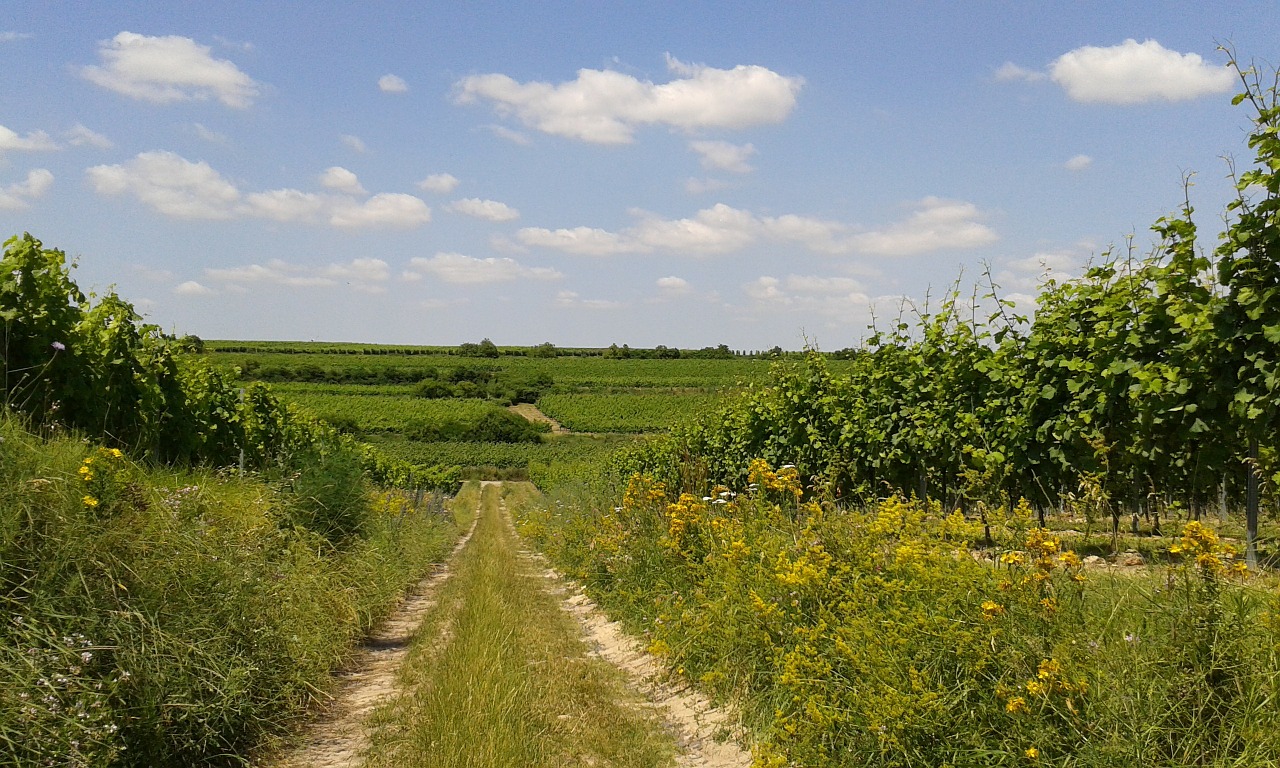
x: 162, y: 617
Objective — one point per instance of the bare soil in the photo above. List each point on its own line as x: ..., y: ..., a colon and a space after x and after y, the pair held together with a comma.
x: 708, y: 736
x: 530, y: 411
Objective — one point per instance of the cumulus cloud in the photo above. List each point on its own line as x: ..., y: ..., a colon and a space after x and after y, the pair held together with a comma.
x: 392, y: 209
x: 365, y: 275
x: 392, y: 84
x: 10, y: 37
x: 340, y: 179
x: 582, y: 241
x: 18, y: 196
x: 174, y: 186
x: 606, y: 107
x: 721, y: 229
x: 1133, y: 73
x: 192, y: 288
x: 168, y: 69
x: 1078, y: 163
x: 440, y: 183
x: 170, y: 184
x: 723, y: 156
x: 285, y: 205
x: 936, y: 224
x: 460, y: 269
x: 839, y: 298
x: 354, y: 143
x: 674, y: 286
x: 490, y: 210
x: 34, y: 141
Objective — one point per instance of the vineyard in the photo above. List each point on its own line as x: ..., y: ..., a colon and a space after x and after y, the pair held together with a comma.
x: 625, y: 412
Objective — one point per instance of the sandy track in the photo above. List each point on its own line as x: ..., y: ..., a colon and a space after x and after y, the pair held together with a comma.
x: 707, y: 735
x: 338, y: 738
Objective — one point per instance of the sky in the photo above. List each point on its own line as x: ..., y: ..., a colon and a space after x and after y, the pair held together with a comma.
x: 686, y: 174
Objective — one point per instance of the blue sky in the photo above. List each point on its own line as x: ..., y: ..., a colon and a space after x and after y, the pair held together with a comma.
x: 686, y: 174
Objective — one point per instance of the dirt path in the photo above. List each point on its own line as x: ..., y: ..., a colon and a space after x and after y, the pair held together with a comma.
x: 706, y: 735
x: 338, y: 739
x: 531, y: 412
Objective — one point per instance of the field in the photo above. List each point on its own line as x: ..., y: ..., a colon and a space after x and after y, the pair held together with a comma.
x: 603, y: 403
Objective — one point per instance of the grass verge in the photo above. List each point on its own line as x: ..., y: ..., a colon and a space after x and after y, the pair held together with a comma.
x: 162, y: 617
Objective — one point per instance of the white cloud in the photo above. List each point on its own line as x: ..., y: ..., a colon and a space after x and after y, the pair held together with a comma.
x: 716, y: 230
x: 583, y: 241
x: 572, y: 299
x: 192, y: 288
x: 674, y: 286
x: 80, y: 136
x: 354, y: 143
x: 606, y: 107
x: 460, y: 269
x: 168, y: 69
x: 10, y: 37
x: 18, y: 196
x: 285, y: 205
x: 765, y: 288
x: 1010, y: 72
x: 340, y: 179
x: 365, y: 275
x: 832, y: 297
x: 1078, y: 163
x: 391, y: 209
x: 440, y: 183
x: 490, y: 210
x: 209, y: 135
x: 723, y: 156
x: 392, y: 84
x: 359, y: 270
x: 515, y: 137
x: 935, y: 225
x: 180, y: 188
x: 170, y: 184
x: 1133, y: 73
x: 34, y: 141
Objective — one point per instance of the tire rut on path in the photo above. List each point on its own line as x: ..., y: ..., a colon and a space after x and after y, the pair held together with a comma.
x: 707, y: 735
x: 339, y: 738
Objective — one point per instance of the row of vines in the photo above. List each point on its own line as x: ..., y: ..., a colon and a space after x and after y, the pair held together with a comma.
x: 1151, y: 380
x: 91, y: 365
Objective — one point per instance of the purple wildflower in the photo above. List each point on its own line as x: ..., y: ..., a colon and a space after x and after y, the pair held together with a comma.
x: 58, y: 346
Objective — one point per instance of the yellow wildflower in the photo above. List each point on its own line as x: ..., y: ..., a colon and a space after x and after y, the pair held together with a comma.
x: 1016, y: 705
x: 1032, y: 753
x: 991, y: 609
x: 90, y: 502
x: 1013, y: 558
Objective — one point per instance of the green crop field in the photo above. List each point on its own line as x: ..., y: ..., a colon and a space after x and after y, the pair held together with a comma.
x: 632, y: 412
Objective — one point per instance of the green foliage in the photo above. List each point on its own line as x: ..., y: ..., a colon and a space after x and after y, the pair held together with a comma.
x: 873, y: 636
x: 182, y: 616
x: 633, y: 412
